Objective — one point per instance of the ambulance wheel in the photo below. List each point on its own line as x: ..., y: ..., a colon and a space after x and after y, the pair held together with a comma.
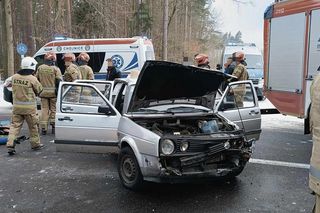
x: 129, y: 170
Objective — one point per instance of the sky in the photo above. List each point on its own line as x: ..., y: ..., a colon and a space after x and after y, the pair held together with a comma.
x: 248, y: 18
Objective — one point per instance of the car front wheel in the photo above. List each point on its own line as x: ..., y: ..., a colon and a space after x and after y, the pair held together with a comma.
x: 129, y: 170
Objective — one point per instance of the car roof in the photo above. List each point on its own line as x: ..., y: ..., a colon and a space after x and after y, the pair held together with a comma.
x: 248, y: 50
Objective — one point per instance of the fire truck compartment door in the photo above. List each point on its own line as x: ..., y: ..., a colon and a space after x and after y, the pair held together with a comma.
x: 286, y: 60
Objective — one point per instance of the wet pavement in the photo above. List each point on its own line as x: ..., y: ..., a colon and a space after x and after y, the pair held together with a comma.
x: 49, y: 181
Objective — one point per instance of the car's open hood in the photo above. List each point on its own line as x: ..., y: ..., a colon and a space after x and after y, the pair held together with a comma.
x: 161, y: 80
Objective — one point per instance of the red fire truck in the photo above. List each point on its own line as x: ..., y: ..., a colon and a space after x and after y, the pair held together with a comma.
x: 291, y: 54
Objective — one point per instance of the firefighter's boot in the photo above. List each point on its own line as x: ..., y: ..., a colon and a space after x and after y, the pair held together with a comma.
x: 40, y: 146
x: 43, y: 131
x: 53, y: 130
x: 11, y: 150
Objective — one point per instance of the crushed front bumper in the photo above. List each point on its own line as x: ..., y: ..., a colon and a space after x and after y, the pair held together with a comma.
x: 218, y: 161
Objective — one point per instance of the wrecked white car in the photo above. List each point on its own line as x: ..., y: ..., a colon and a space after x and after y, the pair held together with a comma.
x: 171, y: 124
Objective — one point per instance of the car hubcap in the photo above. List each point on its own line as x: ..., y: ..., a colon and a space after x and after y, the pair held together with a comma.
x: 129, y: 169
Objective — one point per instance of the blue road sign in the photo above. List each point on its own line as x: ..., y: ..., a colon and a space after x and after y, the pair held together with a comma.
x: 22, y: 49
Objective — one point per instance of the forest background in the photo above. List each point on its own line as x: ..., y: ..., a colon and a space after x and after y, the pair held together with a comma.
x: 191, y: 26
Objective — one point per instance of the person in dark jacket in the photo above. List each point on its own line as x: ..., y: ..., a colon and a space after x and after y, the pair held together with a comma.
x: 231, y: 64
x: 112, y: 71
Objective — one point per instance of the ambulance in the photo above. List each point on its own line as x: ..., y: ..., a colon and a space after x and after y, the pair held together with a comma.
x: 126, y: 53
x: 291, y: 55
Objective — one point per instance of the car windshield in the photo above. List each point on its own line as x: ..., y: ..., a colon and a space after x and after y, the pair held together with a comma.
x: 185, y: 109
x: 254, y: 61
x: 255, y: 73
x: 172, y: 110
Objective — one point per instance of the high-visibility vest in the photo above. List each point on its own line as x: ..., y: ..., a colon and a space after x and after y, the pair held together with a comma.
x: 25, y: 88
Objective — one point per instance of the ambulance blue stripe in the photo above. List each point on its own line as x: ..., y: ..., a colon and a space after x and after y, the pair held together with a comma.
x: 102, y: 76
x: 133, y: 63
x: 133, y: 66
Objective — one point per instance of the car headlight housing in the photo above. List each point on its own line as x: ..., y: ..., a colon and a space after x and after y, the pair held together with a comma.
x: 167, y: 146
x: 184, y: 145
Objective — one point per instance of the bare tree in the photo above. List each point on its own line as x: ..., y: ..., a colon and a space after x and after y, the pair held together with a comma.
x: 2, y: 39
x: 9, y: 37
x: 68, y: 17
x: 165, y: 31
x: 27, y: 27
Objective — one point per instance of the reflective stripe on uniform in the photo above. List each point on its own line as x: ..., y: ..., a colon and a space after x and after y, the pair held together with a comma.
x: 314, y: 172
x: 24, y: 103
x: 49, y: 88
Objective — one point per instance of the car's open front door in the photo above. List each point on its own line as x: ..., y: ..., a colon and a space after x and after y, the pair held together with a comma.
x: 239, y: 104
x: 85, y: 120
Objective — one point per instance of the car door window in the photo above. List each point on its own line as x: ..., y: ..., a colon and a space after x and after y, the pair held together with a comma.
x: 116, y: 91
x: 81, y: 100
x: 239, y: 104
x: 104, y: 87
x: 119, y: 101
x: 237, y: 97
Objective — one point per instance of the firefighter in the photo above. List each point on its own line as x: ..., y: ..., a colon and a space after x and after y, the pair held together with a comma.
x: 232, y: 63
x: 86, y: 71
x: 72, y: 71
x: 240, y: 71
x: 71, y: 74
x: 87, y: 74
x: 202, y: 60
x: 314, y: 173
x: 25, y: 88
x: 48, y: 74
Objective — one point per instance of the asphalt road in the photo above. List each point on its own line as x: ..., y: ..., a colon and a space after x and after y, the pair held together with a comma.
x: 49, y: 181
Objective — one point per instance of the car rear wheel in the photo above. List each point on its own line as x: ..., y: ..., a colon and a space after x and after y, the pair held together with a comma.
x: 129, y: 170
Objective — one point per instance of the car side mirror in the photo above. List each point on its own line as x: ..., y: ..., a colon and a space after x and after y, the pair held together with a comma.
x: 105, y: 110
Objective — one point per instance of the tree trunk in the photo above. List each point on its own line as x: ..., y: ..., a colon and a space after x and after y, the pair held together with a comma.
x: 9, y: 38
x: 185, y: 29
x: 60, y: 18
x: 68, y: 16
x: 27, y: 28
x: 165, y: 31
x: 2, y: 41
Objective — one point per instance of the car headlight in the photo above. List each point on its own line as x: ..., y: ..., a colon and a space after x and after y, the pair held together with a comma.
x: 184, y: 145
x: 167, y: 146
x: 227, y: 145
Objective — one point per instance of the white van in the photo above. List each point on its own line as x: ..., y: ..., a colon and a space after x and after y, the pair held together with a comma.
x: 254, y: 61
x: 127, y: 53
